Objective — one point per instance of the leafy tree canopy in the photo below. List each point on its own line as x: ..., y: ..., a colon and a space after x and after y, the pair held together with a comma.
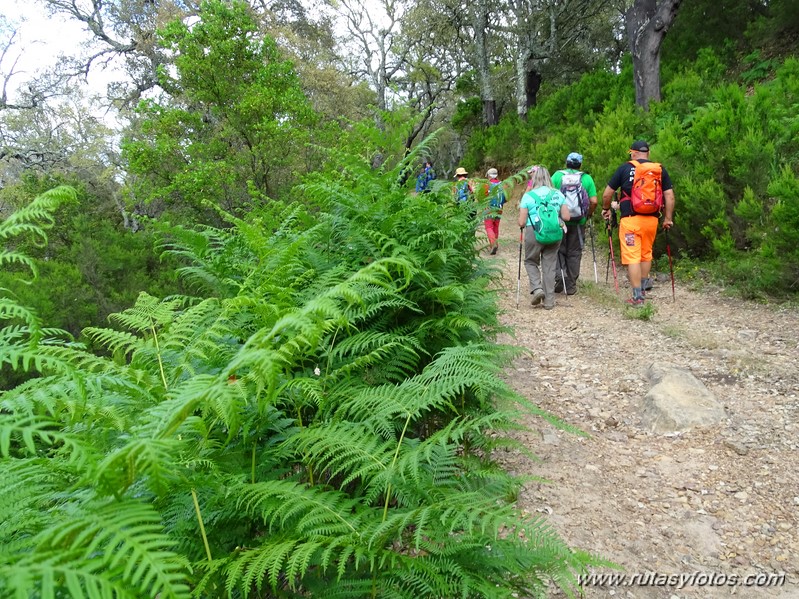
x: 233, y: 121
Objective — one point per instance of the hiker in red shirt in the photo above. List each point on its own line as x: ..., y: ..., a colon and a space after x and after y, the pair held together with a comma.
x: 495, y: 194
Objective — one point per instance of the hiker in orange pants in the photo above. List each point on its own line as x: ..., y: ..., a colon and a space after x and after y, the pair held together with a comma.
x: 646, y: 191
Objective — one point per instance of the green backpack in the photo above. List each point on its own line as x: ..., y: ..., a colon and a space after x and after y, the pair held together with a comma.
x: 547, y: 226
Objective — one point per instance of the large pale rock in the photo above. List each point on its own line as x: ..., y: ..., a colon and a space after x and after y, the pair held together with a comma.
x: 678, y: 401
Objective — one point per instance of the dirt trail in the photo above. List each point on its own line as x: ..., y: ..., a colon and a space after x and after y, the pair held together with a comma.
x: 721, y: 501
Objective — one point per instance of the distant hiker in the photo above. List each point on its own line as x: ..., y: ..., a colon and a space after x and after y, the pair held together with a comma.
x: 579, y: 190
x: 646, y: 190
x: 495, y: 194
x: 464, y: 190
x: 424, y: 178
x: 542, y: 214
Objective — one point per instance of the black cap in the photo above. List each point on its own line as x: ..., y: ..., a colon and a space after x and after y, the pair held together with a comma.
x: 640, y: 146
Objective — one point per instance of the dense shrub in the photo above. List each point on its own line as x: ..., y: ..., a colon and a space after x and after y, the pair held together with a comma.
x: 92, y: 265
x: 317, y: 421
x: 730, y: 148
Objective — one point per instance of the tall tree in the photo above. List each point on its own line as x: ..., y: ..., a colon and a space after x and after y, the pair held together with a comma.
x: 22, y: 91
x: 647, y: 22
x: 121, y: 35
x: 480, y: 49
x: 480, y: 12
x: 378, y: 51
x: 435, y: 63
x: 59, y: 138
x: 551, y: 36
x: 375, y: 49
x: 234, y: 119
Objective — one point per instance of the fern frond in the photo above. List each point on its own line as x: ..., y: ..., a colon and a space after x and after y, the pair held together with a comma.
x: 309, y: 390
x: 28, y: 489
x: 40, y: 210
x: 114, y: 340
x: 8, y: 257
x: 51, y: 580
x: 156, y: 460
x: 309, y: 510
x: 347, y: 450
x: 362, y: 350
x: 272, y: 561
x: 33, y: 433
x: 455, y: 371
x: 193, y: 323
x: 205, y: 392
x: 53, y: 358
x: 147, y: 313
x: 11, y: 310
x: 121, y: 543
x: 104, y: 400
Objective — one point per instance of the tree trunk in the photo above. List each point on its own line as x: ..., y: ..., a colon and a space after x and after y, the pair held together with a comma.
x: 647, y: 22
x: 484, y: 66
x: 532, y: 84
x: 528, y: 79
x: 521, y: 85
x: 528, y: 82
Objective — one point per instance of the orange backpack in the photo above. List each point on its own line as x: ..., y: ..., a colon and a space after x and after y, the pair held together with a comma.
x: 647, y: 193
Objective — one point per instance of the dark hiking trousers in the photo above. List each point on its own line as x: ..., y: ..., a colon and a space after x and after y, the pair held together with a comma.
x: 570, y: 255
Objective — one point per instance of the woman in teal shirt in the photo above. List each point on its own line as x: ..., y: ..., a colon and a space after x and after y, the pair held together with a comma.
x: 541, y: 261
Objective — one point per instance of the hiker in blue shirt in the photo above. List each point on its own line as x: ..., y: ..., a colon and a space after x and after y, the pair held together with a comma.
x: 463, y: 191
x: 424, y: 178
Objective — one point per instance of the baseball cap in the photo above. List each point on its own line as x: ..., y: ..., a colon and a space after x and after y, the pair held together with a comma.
x: 492, y: 173
x: 574, y: 157
x: 640, y: 146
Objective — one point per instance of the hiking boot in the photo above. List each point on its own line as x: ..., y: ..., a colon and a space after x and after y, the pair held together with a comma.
x: 647, y: 283
x: 636, y: 302
x: 538, y: 295
x: 571, y: 291
x: 494, y: 250
x: 548, y: 306
x: 558, y: 287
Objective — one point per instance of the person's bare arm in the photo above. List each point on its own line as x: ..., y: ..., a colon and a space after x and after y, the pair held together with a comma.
x: 668, y: 216
x: 607, y: 198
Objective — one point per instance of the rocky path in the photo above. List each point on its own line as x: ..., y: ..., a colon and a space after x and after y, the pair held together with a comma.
x: 722, y: 501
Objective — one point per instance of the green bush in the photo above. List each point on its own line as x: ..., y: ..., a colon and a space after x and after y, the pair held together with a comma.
x: 726, y: 147
x: 92, y: 265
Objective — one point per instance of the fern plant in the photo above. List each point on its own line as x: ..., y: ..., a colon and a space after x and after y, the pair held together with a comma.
x: 318, y: 420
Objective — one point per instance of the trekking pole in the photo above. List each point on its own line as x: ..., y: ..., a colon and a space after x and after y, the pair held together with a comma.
x: 562, y: 275
x: 593, y: 248
x: 611, y: 224
x: 519, y: 280
x: 671, y: 267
